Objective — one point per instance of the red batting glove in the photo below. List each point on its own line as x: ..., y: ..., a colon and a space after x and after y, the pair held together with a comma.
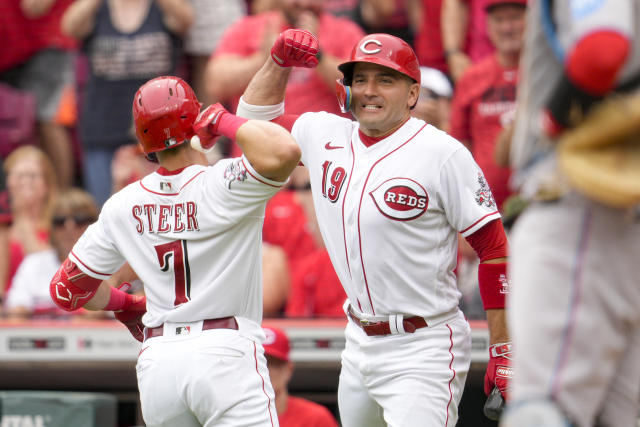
x: 499, y: 370
x: 206, y: 127
x: 295, y: 48
x: 131, y: 314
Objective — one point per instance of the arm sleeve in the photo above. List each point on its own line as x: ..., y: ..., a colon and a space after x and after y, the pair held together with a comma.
x: 465, y: 194
x: 490, y: 241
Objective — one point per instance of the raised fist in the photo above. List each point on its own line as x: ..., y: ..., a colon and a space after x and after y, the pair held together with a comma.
x: 295, y: 48
x: 206, y: 127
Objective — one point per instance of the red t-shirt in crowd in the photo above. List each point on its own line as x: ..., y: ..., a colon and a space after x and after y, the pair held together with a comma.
x: 306, y: 91
x: 485, y: 93
x: 478, y: 42
x: 428, y: 41
x: 286, y: 225
x: 305, y: 413
x: 316, y: 290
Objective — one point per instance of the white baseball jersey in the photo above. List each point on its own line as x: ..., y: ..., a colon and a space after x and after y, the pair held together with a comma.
x: 192, y: 236
x: 390, y: 213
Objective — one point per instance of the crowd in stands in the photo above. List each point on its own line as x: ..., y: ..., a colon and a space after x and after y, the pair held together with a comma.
x: 69, y: 70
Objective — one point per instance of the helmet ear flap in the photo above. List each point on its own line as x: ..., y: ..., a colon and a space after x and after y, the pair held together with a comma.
x: 343, y: 93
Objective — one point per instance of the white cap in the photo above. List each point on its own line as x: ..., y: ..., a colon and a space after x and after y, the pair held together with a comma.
x: 435, y: 80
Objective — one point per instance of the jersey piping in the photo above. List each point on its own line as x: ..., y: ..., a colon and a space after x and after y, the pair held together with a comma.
x: 171, y: 194
x: 364, y: 186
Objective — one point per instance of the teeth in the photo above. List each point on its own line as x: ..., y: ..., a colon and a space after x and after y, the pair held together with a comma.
x: 371, y: 107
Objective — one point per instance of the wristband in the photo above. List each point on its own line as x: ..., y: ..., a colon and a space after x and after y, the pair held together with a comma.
x: 229, y: 125
x: 494, y: 287
x: 451, y: 52
x: 259, y: 112
x: 118, y: 300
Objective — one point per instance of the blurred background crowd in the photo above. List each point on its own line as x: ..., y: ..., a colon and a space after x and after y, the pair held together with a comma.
x: 69, y: 70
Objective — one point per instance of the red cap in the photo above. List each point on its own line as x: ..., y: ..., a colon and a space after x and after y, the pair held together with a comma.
x: 276, y: 343
x: 490, y: 4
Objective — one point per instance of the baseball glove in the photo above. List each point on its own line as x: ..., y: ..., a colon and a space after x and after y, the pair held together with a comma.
x: 601, y: 156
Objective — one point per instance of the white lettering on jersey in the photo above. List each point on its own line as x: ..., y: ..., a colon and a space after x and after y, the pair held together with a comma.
x: 400, y: 198
x: 166, y: 218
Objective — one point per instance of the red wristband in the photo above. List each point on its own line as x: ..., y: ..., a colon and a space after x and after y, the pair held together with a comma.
x: 229, y: 125
x: 494, y: 287
x: 118, y: 300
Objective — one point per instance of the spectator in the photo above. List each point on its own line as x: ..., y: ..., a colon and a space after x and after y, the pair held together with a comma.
x: 276, y: 280
x: 39, y: 60
x: 386, y: 16
x: 129, y: 165
x: 428, y: 37
x: 484, y: 100
x: 5, y: 223
x: 464, y: 34
x: 212, y: 18
x: 245, y: 46
x: 73, y: 211
x: 31, y: 186
x: 126, y: 43
x: 434, y: 102
x: 309, y: 287
x: 292, y: 411
x: 316, y: 290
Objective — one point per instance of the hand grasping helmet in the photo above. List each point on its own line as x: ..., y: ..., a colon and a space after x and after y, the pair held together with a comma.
x: 164, y: 111
x: 381, y: 49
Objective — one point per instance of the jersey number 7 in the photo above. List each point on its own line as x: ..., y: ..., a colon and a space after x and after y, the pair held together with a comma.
x: 177, y: 250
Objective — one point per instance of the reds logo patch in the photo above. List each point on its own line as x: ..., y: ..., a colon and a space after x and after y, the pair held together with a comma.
x: 401, y: 199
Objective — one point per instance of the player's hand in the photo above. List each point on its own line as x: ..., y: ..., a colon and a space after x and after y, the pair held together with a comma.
x: 499, y: 370
x: 295, y: 48
x: 206, y: 127
x: 131, y: 316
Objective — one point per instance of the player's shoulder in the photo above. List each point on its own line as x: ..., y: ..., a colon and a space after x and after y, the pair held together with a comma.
x: 434, y: 139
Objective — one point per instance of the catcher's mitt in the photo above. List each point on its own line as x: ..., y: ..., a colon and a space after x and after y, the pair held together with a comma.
x: 601, y: 156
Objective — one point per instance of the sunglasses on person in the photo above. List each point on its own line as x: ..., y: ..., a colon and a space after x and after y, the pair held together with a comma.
x: 78, y: 219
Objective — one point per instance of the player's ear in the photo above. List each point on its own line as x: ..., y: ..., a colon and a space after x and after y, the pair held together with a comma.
x: 414, y: 93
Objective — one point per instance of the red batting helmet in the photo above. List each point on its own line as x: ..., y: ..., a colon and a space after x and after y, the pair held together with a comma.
x: 385, y: 50
x: 164, y: 110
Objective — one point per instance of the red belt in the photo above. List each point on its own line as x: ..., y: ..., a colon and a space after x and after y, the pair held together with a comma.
x: 377, y: 328
x: 221, y: 323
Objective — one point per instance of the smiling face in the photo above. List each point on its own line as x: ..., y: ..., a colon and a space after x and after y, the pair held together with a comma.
x: 505, y: 27
x: 382, y: 98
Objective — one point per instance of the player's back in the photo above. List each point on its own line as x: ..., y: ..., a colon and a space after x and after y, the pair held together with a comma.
x: 193, y: 238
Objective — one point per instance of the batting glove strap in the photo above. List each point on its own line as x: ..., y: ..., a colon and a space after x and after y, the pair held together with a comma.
x: 132, y: 316
x: 295, y: 48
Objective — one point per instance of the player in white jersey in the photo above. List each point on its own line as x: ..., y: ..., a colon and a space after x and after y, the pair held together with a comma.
x: 573, y: 310
x: 391, y: 194
x: 192, y: 234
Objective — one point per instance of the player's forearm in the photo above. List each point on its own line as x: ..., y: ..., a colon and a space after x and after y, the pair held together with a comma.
x: 228, y: 75
x: 497, y: 323
x: 268, y: 85
x: 100, y: 299
x: 36, y: 8
x: 270, y: 149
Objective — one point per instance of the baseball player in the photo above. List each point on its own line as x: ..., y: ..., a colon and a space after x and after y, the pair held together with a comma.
x: 391, y: 194
x: 573, y: 311
x: 192, y: 234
